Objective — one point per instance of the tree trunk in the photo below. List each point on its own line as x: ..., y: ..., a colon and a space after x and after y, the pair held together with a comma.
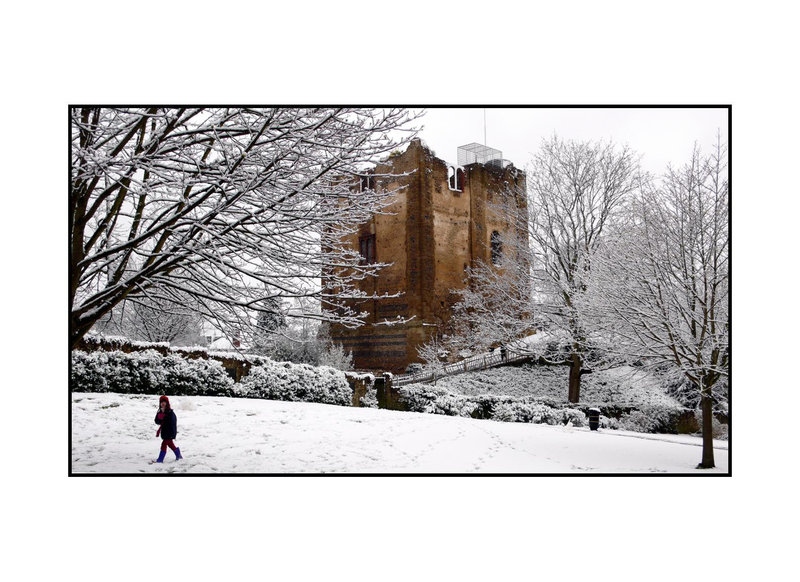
x: 575, y: 378
x: 706, y: 405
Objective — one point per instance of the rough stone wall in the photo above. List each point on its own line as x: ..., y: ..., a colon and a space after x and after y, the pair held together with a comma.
x: 431, y: 236
x: 490, y: 187
x: 452, y: 242
x: 397, y: 241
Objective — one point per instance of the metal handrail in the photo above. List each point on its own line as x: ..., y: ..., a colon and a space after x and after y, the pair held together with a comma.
x: 472, y: 364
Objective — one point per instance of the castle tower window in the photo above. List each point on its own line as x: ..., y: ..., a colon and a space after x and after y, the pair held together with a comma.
x: 367, y: 183
x: 497, y: 248
x: 366, y: 245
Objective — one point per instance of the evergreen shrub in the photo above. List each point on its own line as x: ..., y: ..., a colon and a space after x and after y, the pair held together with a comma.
x: 296, y: 383
x: 147, y: 372
x: 652, y: 419
x: 430, y: 399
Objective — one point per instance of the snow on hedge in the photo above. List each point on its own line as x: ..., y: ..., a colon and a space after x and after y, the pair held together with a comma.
x: 623, y: 387
x: 630, y: 398
x: 438, y: 400
x: 297, y: 382
x: 117, y: 343
x: 149, y: 372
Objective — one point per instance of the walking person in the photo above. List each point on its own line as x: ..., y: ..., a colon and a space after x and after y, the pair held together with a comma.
x: 168, y: 429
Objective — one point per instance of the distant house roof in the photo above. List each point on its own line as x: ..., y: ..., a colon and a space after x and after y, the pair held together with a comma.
x: 221, y: 343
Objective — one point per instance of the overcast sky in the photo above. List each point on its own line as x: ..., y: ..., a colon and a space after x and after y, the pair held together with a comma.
x: 660, y: 135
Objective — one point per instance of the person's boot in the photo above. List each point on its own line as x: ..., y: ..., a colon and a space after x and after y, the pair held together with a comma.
x: 178, y: 456
x: 161, y: 456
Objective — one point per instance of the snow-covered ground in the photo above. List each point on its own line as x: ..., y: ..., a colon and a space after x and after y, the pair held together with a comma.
x: 115, y: 433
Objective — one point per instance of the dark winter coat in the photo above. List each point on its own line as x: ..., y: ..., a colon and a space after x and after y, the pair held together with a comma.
x: 169, y: 424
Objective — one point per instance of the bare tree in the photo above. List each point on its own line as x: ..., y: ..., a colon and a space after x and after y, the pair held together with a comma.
x: 575, y: 191
x: 663, y: 286
x: 434, y: 355
x: 156, y: 320
x: 495, y: 307
x: 219, y: 205
x: 305, y: 341
x: 152, y: 320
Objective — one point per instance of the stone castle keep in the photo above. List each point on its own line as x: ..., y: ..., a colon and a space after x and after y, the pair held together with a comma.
x: 439, y: 225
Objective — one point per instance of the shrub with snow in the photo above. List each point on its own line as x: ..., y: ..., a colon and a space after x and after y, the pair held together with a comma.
x: 90, y: 372
x: 516, y: 411
x: 436, y: 400
x: 718, y: 429
x: 370, y: 399
x: 147, y: 372
x: 452, y: 405
x: 197, y: 377
x: 573, y: 417
x: 630, y: 398
x: 654, y: 419
x: 297, y: 383
x: 611, y: 423
x: 537, y: 413
x: 624, y: 387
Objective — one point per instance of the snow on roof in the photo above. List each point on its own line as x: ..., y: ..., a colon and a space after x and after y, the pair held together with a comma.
x: 221, y: 343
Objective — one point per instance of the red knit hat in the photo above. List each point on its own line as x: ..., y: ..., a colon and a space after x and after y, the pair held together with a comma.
x: 163, y: 399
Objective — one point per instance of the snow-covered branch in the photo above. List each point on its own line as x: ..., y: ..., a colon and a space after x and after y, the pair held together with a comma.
x: 661, y: 286
x: 223, y: 205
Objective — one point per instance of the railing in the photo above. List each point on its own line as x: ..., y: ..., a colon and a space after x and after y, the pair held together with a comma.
x: 472, y: 364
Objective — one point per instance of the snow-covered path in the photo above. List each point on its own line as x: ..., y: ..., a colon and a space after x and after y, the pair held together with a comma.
x: 114, y: 433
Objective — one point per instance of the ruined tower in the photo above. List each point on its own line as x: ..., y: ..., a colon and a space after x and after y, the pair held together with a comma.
x: 439, y: 224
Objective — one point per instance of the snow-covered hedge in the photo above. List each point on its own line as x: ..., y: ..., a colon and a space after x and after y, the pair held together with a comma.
x: 630, y: 398
x: 538, y: 413
x: 651, y: 419
x: 296, y: 382
x: 116, y: 342
x: 93, y: 342
x: 660, y: 419
x: 434, y: 400
x: 148, y: 372
x: 622, y: 387
x: 654, y: 418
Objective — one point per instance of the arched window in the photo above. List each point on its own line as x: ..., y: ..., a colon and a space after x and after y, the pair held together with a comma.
x: 497, y: 248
